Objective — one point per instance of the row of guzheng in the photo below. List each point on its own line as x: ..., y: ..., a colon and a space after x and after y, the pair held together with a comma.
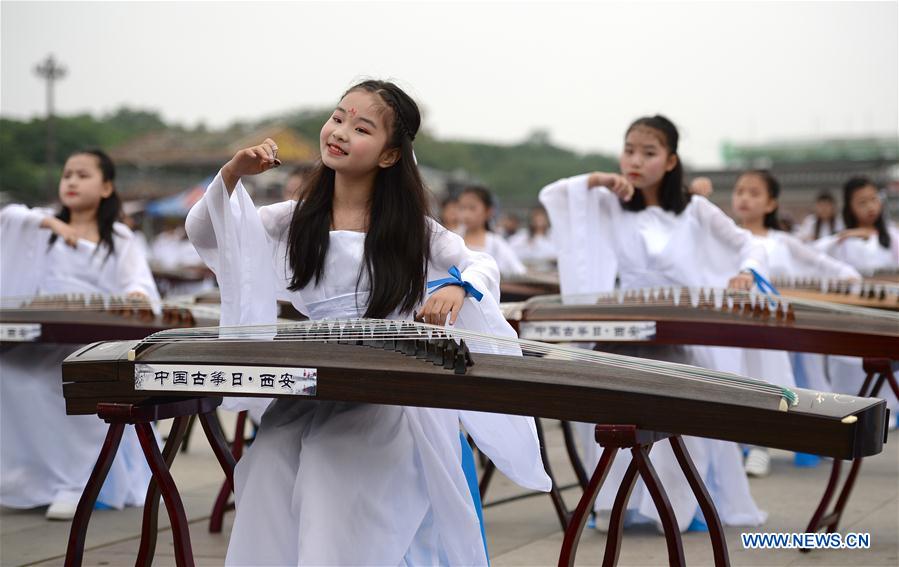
x: 79, y: 319
x: 872, y: 293
x: 405, y: 363
x: 708, y: 316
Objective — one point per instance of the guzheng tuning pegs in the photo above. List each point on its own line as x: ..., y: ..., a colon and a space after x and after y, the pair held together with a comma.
x: 434, y: 351
x: 449, y: 354
x: 462, y: 359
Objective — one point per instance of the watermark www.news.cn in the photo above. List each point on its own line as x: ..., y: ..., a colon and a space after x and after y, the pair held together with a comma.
x: 808, y: 540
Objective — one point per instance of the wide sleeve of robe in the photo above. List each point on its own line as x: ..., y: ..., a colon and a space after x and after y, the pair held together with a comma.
x: 229, y: 235
x: 582, y: 233
x: 132, y: 270
x: 510, y: 441
x: 232, y: 239
x: 506, y: 258
x: 808, y: 260
x: 750, y: 254
x: 21, y: 255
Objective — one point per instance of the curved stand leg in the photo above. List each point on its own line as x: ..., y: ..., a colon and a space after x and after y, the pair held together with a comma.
x: 616, y: 521
x: 882, y: 369
x: 815, y: 524
x: 214, y: 433
x: 558, y: 503
x: 663, y: 505
x: 190, y: 428
x: 150, y: 526
x: 716, y: 530
x: 174, y: 506
x: 213, y: 430
x: 78, y: 530
x: 486, y: 476
x: 584, y: 507
x: 573, y: 456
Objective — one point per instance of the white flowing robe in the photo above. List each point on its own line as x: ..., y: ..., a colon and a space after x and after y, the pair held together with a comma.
x: 788, y: 256
x: 597, y: 239
x: 506, y: 259
x: 537, y: 252
x: 867, y: 256
x: 46, y: 454
x: 334, y: 483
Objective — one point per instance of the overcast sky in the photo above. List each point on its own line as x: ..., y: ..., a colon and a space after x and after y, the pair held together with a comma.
x: 748, y: 72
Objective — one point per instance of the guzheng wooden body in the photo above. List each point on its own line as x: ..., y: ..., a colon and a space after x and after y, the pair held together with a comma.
x: 872, y: 293
x: 286, y: 310
x: 525, y: 286
x: 709, y: 317
x: 334, y: 363
x: 78, y: 319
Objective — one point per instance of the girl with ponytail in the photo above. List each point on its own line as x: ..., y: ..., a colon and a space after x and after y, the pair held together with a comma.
x: 754, y: 203
x: 641, y: 228
x: 47, y: 455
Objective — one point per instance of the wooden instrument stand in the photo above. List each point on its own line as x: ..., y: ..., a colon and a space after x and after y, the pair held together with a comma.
x: 615, y: 437
x: 141, y: 415
x: 878, y: 371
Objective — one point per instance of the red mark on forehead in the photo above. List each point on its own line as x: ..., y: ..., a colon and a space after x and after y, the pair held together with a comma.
x: 353, y: 111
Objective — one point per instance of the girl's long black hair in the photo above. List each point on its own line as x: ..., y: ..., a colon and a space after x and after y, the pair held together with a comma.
x: 673, y: 196
x: 110, y: 208
x: 819, y: 222
x: 849, y: 218
x: 773, y: 186
x: 397, y: 244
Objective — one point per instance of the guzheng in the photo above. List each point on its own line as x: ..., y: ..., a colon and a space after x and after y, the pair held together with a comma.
x: 867, y: 293
x: 286, y: 309
x: 405, y: 363
x: 525, y: 286
x: 709, y: 316
x: 79, y: 319
x: 886, y: 274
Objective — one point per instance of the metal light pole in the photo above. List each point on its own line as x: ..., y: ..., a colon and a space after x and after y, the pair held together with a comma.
x: 50, y: 71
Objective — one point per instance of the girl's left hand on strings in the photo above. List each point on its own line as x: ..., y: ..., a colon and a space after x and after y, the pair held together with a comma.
x: 445, y: 301
x: 741, y: 282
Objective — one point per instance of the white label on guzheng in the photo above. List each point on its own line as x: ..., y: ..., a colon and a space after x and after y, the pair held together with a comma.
x: 590, y: 331
x: 19, y: 332
x: 221, y: 379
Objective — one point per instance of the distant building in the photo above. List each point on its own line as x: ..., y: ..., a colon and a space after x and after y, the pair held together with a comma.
x: 162, y: 163
x: 807, y: 167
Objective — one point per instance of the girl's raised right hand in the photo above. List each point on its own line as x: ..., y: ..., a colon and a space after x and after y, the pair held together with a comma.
x: 615, y: 183
x: 250, y: 161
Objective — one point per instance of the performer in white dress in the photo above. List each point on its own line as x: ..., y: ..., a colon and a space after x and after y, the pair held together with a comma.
x: 644, y: 228
x: 47, y: 456
x: 869, y: 243
x: 823, y: 222
x: 534, y: 245
x: 330, y: 483
x: 477, y: 207
x: 754, y: 202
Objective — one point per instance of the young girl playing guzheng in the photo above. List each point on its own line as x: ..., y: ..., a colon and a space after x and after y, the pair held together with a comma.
x: 869, y: 243
x: 476, y: 204
x: 754, y: 203
x: 330, y: 483
x: 643, y: 227
x: 47, y: 456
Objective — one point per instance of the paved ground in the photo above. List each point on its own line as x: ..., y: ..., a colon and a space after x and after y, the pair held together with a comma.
x: 520, y: 532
